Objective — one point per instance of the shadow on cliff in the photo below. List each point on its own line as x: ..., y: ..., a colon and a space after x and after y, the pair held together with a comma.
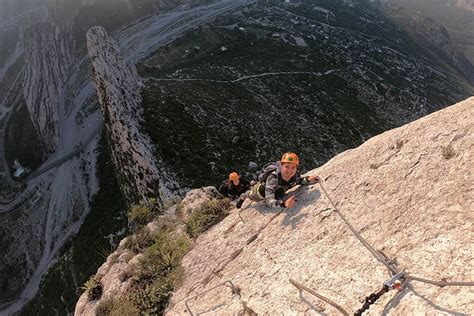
x: 293, y: 216
x: 394, y: 301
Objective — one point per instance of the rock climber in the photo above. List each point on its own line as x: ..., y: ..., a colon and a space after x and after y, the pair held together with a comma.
x: 234, y: 186
x: 274, y: 180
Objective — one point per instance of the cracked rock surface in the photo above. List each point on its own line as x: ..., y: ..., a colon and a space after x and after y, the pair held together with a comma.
x: 118, y: 91
x: 408, y: 191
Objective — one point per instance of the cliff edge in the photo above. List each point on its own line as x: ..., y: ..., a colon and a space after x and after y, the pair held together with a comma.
x: 409, y: 192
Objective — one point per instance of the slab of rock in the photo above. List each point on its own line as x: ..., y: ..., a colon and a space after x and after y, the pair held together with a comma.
x: 140, y: 175
x: 115, y: 274
x: 48, y: 59
x: 408, y: 191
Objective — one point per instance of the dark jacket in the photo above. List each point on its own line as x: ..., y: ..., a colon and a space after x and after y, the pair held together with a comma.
x: 228, y: 189
x: 275, y: 187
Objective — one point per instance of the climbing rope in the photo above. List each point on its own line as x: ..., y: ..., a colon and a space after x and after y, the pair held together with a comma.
x: 398, y: 279
x: 235, y: 292
x: 232, y: 257
x: 441, y: 283
x: 356, y: 233
x: 235, y: 254
x: 243, y: 209
x: 385, y: 260
x: 395, y: 282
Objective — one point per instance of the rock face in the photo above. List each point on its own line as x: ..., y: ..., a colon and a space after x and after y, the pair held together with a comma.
x: 119, y: 97
x: 409, y: 192
x: 115, y: 274
x: 48, y: 58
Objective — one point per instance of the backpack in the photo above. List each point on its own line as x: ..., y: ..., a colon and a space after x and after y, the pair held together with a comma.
x: 267, y: 169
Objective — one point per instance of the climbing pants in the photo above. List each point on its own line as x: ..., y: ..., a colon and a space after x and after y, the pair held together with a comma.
x: 254, y: 193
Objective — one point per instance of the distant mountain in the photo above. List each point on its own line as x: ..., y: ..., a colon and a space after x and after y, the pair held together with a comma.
x: 463, y: 4
x: 457, y: 16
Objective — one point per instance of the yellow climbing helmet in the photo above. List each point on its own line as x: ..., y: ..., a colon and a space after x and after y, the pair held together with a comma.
x: 233, y: 176
x: 291, y: 158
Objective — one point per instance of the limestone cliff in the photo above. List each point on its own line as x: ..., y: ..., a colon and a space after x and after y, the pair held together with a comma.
x: 408, y: 191
x: 48, y: 59
x: 118, y: 275
x: 119, y: 96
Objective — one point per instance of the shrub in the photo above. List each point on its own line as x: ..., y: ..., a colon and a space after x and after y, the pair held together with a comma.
x: 159, y: 272
x: 207, y: 215
x: 124, y: 307
x: 116, y: 307
x: 399, y: 143
x: 153, y: 298
x: 140, y: 215
x: 179, y: 211
x: 448, y: 152
x: 163, y: 256
x: 104, y: 251
x: 139, y: 241
x: 93, y: 289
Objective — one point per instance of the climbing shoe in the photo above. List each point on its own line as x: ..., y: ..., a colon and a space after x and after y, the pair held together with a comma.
x: 239, y: 203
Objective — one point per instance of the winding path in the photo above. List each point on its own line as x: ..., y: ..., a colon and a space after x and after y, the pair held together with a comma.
x: 265, y: 74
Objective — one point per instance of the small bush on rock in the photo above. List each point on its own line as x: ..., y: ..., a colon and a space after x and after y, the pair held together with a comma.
x: 207, y: 215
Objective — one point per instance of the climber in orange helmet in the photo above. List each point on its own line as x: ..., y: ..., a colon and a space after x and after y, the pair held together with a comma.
x: 274, y: 180
x: 234, y: 186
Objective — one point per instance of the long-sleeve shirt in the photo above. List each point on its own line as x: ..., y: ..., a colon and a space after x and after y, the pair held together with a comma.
x: 276, y: 186
x: 228, y: 189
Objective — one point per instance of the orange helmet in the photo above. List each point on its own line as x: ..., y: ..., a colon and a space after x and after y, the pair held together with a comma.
x: 233, y: 176
x: 291, y: 158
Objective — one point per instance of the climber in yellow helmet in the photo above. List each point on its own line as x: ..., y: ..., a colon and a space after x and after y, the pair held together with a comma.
x: 274, y: 180
x: 234, y: 186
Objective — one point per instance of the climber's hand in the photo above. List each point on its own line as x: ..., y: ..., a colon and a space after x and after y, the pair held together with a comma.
x: 290, y: 202
x: 314, y: 179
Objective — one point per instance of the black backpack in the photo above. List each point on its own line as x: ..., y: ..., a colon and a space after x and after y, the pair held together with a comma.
x: 267, y: 169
